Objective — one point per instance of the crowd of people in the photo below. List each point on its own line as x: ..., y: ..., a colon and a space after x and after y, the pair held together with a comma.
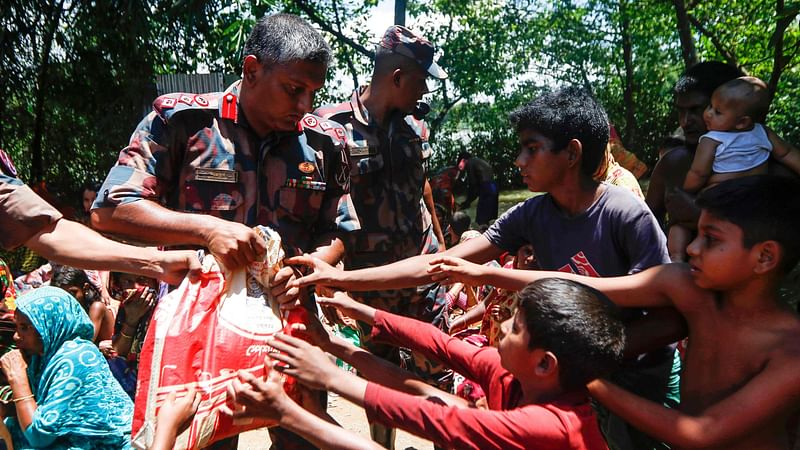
x: 555, y: 326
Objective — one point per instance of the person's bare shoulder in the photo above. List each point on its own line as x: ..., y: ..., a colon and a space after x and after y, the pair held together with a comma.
x: 685, y: 295
x: 786, y: 327
x: 674, y: 165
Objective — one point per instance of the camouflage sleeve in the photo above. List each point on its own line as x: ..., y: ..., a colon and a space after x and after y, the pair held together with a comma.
x: 144, y: 169
x: 22, y: 212
x: 338, y: 213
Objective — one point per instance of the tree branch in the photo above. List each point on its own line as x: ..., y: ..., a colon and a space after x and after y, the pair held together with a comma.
x: 349, y: 61
x: 779, y: 61
x: 730, y: 58
x: 314, y: 17
x: 688, y: 49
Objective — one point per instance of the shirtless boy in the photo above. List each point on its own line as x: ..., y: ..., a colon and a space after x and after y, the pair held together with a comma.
x: 739, y: 383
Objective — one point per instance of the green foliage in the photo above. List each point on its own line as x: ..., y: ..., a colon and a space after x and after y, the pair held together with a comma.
x: 99, y: 76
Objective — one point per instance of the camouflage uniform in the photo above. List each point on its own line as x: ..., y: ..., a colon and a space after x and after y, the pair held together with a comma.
x: 387, y: 168
x: 198, y: 154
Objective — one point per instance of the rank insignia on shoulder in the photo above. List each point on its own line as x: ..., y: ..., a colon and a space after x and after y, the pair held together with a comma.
x: 200, y: 100
x: 168, y: 102
x: 216, y: 175
x: 306, y: 167
x: 186, y: 99
x: 310, y: 121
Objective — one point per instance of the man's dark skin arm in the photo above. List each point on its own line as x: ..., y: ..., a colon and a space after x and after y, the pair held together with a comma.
x: 664, y: 194
x: 232, y: 243
x: 660, y: 327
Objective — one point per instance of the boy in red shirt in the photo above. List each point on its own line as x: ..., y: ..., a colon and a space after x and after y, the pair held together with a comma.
x: 563, y: 335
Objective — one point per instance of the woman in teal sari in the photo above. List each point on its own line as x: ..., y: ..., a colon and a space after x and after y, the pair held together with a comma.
x: 66, y: 397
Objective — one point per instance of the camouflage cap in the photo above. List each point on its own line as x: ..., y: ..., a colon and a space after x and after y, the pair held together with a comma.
x: 405, y: 42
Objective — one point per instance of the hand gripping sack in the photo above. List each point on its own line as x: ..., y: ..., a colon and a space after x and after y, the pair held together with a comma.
x: 201, y: 334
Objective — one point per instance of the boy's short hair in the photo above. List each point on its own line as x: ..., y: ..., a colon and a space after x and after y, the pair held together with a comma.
x: 578, y: 324
x: 751, y: 94
x: 565, y: 114
x: 765, y: 207
x: 706, y: 76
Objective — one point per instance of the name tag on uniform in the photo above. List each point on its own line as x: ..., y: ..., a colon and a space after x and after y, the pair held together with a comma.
x: 363, y: 151
x: 216, y: 175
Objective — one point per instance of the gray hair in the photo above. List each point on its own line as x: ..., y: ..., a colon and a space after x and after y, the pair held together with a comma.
x: 283, y: 38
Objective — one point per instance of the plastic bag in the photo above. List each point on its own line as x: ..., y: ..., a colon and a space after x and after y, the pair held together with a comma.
x: 201, y: 335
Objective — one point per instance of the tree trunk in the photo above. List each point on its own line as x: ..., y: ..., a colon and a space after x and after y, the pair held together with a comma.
x: 400, y: 12
x: 37, y: 161
x: 779, y: 61
x: 685, y: 34
x: 629, y: 138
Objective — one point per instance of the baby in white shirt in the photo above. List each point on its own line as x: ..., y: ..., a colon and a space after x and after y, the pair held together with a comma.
x: 736, y: 145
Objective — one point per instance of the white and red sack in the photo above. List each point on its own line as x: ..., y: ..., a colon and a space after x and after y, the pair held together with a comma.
x: 201, y: 335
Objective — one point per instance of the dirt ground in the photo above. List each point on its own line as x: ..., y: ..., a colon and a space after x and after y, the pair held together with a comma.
x: 350, y: 417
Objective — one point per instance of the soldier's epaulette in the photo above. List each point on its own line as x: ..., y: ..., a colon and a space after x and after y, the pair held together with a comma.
x: 328, y: 111
x: 419, y: 126
x: 169, y: 104
x: 327, y: 127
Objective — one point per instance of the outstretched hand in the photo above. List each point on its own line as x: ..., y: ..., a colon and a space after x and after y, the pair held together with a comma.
x: 321, y: 273
x: 174, y: 265
x: 349, y: 307
x: 282, y: 288
x: 313, y: 331
x: 449, y: 269
x: 250, y: 396
x: 175, y: 415
x: 308, y: 364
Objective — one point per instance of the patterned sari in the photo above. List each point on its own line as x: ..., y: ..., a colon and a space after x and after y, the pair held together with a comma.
x: 80, y: 404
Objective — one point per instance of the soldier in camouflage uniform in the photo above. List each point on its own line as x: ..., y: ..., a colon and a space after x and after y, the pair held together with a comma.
x: 203, y: 169
x: 387, y: 149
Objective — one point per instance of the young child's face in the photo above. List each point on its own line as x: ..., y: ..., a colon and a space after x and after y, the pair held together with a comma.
x: 26, y: 336
x: 126, y: 281
x: 513, y: 343
x: 723, y: 113
x: 525, y: 258
x: 717, y: 256
x: 87, y: 199
x: 77, y: 291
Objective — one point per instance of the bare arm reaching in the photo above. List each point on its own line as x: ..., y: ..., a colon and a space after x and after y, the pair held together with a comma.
x: 766, y: 399
x: 233, y: 244
x: 73, y: 244
x: 405, y: 273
